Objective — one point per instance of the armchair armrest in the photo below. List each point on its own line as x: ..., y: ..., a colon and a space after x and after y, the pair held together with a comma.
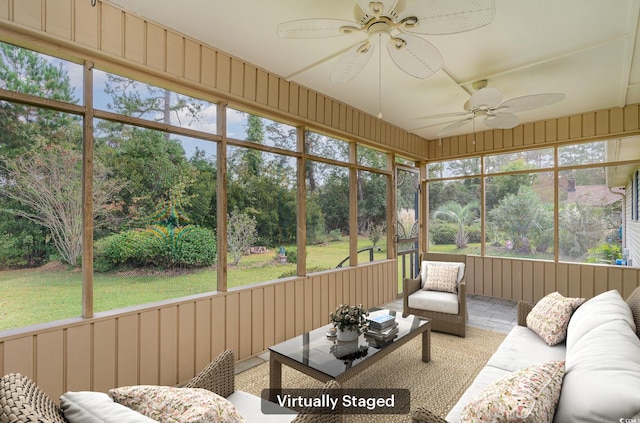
x: 422, y: 415
x: 409, y: 286
x: 524, y: 308
x: 218, y: 376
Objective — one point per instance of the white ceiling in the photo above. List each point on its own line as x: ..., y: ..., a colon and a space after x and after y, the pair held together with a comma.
x: 587, y: 49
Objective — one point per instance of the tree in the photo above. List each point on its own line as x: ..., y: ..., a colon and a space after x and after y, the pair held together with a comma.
x: 522, y: 217
x: 48, y: 182
x: 241, y: 234
x: 462, y: 215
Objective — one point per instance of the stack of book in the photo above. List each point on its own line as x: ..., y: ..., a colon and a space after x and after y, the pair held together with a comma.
x: 381, y: 329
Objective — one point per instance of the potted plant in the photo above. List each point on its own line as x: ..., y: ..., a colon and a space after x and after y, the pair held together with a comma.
x: 349, y: 321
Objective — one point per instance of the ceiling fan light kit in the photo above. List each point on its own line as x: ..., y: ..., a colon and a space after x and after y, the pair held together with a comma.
x: 391, y: 18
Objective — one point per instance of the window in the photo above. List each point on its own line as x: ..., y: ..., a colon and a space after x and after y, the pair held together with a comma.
x: 327, y: 216
x: 261, y: 221
x: 454, y: 216
x: 372, y: 216
x: 245, y: 126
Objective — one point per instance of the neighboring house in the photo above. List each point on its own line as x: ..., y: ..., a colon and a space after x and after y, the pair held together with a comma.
x: 631, y: 222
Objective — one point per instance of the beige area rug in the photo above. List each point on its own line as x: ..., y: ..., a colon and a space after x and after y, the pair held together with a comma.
x: 437, y: 385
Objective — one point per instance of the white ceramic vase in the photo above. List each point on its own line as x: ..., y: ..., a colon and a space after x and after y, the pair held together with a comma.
x: 347, y: 335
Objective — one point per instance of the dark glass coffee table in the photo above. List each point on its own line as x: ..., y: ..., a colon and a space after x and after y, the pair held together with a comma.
x: 324, y: 358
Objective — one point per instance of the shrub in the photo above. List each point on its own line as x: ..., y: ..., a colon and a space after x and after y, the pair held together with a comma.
x: 292, y: 255
x: 604, y: 253
x: 188, y: 246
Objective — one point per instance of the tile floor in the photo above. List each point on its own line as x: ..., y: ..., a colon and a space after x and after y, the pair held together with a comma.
x: 484, y: 312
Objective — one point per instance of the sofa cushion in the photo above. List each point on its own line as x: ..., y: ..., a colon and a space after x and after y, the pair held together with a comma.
x: 427, y: 264
x: 255, y: 409
x: 602, y: 380
x: 442, y: 302
x: 600, y: 309
x: 549, y: 318
x: 89, y: 406
x: 177, y: 405
x: 527, y: 395
x: 522, y: 347
x: 442, y: 278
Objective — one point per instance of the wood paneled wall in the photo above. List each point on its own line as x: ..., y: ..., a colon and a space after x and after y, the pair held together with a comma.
x: 112, y: 37
x: 170, y: 342
x: 615, y: 122
x: 530, y: 280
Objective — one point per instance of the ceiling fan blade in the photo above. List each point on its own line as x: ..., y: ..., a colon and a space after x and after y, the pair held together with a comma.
x: 485, y: 98
x: 377, y: 7
x: 455, y: 125
x: 351, y: 63
x: 414, y: 55
x: 316, y: 28
x: 501, y: 120
x: 529, y: 102
x: 436, y: 17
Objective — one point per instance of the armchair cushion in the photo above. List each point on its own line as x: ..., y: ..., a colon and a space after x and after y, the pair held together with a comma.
x: 438, y: 301
x: 442, y: 278
x: 429, y: 264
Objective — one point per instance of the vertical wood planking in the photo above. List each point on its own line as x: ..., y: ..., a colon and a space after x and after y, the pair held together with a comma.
x: 28, y: 13
x: 244, y: 317
x: 86, y: 24
x: 186, y: 341
x: 127, y: 351
x: 150, y: 347
x: 104, y: 356
x: 169, y: 346
x: 219, y: 327
x: 77, y: 358
x: 202, y: 332
x: 58, y: 18
x: 111, y: 30
x: 134, y: 40
x: 50, y: 364
x: 258, y: 321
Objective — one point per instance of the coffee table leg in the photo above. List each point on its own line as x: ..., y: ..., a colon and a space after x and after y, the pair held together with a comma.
x: 426, y: 345
x: 275, y: 376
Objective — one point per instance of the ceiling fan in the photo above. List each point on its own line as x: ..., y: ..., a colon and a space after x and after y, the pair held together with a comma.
x: 497, y: 114
x: 393, y: 20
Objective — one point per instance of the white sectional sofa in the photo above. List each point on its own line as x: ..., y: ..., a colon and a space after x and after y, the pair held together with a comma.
x: 600, y: 378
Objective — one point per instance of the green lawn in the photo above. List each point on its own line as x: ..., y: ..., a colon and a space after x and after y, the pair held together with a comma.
x: 54, y: 292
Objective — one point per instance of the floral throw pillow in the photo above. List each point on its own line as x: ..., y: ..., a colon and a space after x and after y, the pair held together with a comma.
x: 442, y: 278
x: 549, y: 318
x: 177, y: 405
x: 527, y: 395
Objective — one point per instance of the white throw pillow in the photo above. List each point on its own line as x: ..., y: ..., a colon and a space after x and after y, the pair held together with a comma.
x: 89, y: 406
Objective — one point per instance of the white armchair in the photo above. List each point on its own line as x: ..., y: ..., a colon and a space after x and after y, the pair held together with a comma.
x: 439, y: 292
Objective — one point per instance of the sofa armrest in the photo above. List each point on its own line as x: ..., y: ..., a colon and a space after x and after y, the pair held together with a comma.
x: 409, y: 286
x: 218, y: 376
x: 308, y: 416
x: 524, y: 308
x: 422, y: 415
